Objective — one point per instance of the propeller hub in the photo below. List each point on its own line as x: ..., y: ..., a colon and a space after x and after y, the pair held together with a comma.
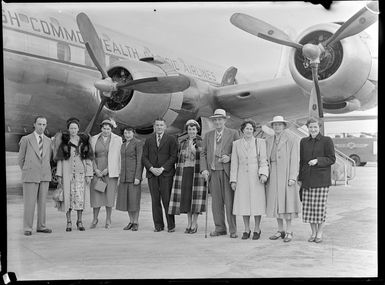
x: 105, y: 85
x: 312, y: 52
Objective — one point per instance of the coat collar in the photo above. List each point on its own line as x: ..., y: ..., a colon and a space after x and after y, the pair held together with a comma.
x: 317, y: 138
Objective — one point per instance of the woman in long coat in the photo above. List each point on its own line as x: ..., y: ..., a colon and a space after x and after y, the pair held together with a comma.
x: 106, y: 146
x: 129, y: 189
x: 248, y: 173
x: 282, y: 192
x: 316, y: 157
x: 188, y: 194
x: 74, y: 171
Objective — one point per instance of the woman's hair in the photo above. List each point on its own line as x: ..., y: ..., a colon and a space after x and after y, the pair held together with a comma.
x: 128, y: 129
x: 73, y: 120
x: 313, y: 120
x: 251, y: 122
x: 106, y: 124
x: 192, y: 124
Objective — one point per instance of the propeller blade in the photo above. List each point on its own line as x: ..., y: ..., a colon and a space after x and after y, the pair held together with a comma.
x: 167, y: 84
x: 262, y: 29
x: 315, y: 100
x: 93, y: 43
x: 95, y: 117
x: 356, y: 24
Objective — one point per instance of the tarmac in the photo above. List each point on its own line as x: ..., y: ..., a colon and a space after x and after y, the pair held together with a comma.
x: 349, y: 247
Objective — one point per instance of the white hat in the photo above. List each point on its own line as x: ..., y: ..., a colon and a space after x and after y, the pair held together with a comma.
x: 219, y: 113
x: 111, y: 122
x: 278, y: 119
x: 192, y: 121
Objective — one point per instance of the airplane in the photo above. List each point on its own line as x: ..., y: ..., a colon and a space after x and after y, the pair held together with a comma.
x: 60, y: 66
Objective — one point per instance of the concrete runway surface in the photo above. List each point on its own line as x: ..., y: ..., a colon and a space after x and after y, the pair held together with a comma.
x: 349, y: 248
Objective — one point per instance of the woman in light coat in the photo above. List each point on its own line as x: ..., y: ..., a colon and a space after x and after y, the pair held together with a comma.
x: 248, y: 173
x: 106, y: 146
x: 74, y: 171
x: 282, y: 192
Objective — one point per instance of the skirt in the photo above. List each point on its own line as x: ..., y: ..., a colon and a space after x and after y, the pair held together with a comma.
x: 106, y: 198
x: 314, y: 204
x: 186, y: 189
x: 128, y: 198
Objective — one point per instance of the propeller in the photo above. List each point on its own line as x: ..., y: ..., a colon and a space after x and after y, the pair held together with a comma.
x: 167, y: 84
x: 312, y: 52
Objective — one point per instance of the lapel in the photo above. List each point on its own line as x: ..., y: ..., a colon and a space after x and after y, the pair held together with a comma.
x: 46, y: 145
x: 225, y: 136
x: 282, y: 141
x: 270, y: 141
x: 94, y: 140
x: 211, y: 141
x: 32, y: 140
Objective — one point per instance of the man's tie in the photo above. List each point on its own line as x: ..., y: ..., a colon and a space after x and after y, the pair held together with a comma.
x: 41, y: 146
x: 158, y: 139
x: 219, y: 136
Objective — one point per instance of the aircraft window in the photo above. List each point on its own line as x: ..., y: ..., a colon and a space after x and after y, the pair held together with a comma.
x: 63, y: 51
x: 54, y: 21
x: 23, y: 18
x: 87, y: 58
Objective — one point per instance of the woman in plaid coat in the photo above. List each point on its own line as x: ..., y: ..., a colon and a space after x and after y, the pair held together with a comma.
x: 316, y: 157
x: 188, y: 193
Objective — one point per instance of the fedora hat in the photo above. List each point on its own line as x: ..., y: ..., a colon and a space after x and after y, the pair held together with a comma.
x: 219, y: 113
x: 278, y: 119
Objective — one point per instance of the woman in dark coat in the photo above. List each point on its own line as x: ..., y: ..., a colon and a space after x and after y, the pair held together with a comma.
x: 129, y: 190
x: 188, y: 193
x: 316, y: 157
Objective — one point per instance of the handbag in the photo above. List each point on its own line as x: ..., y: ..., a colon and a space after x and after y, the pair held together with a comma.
x: 100, y: 185
x: 58, y: 194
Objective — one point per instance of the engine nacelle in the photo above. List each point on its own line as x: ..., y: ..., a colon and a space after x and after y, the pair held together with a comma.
x: 343, y: 75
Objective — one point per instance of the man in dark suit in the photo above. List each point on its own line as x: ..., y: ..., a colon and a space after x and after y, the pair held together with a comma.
x: 215, y: 167
x: 159, y: 157
x: 34, y: 160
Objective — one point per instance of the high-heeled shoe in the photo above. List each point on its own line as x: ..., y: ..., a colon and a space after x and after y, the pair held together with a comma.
x: 288, y: 237
x: 311, y: 239
x: 79, y: 225
x: 194, y: 230
x: 108, y: 225
x: 257, y: 235
x: 246, y: 235
x: 277, y: 235
x: 187, y: 230
x: 93, y: 225
x: 69, y: 226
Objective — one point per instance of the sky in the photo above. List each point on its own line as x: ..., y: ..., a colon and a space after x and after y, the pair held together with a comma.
x: 203, y: 29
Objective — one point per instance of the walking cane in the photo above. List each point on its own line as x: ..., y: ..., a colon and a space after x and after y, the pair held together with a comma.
x: 207, y: 205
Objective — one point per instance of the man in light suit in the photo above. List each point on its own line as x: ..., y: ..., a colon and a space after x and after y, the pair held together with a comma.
x: 215, y: 167
x: 159, y: 157
x: 34, y: 160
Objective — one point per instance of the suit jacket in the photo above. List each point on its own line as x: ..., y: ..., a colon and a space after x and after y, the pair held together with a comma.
x: 321, y: 148
x: 207, y: 155
x: 131, y: 158
x: 113, y: 153
x: 165, y: 156
x: 34, y: 168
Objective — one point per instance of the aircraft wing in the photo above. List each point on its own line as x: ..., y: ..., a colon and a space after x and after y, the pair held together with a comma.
x: 263, y: 99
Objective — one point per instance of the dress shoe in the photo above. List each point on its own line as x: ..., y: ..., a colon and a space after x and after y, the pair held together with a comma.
x: 27, y: 233
x: 128, y: 227
x: 318, y: 239
x: 134, y: 227
x: 107, y: 225
x: 257, y: 235
x: 158, y: 229
x: 278, y: 235
x: 171, y: 230
x: 194, y: 230
x: 69, y: 226
x: 80, y: 226
x: 93, y: 225
x: 246, y: 235
x: 187, y: 230
x: 311, y: 239
x: 288, y: 237
x: 45, y: 231
x: 233, y: 235
x: 216, y: 234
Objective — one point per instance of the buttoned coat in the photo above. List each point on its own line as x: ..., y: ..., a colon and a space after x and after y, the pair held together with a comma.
x: 207, y: 155
x: 113, y: 154
x: 287, y: 168
x: 163, y: 156
x: 35, y: 168
x: 246, y: 166
x: 131, y: 159
x: 321, y: 148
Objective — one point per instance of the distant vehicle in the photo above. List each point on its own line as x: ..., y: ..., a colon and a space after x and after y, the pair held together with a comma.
x: 359, y: 147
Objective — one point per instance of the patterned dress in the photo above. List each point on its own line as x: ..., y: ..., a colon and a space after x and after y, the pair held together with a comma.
x: 77, y: 182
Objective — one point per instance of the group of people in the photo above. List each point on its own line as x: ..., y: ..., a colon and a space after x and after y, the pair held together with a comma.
x: 246, y: 176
